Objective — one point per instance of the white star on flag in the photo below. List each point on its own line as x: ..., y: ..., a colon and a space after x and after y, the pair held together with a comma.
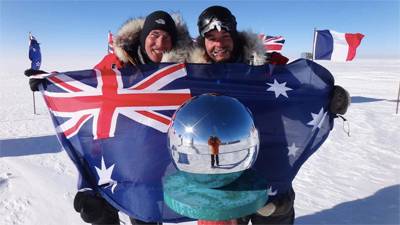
x: 294, y: 153
x: 270, y: 192
x: 318, y: 119
x: 293, y: 150
x: 105, y: 175
x: 279, y: 88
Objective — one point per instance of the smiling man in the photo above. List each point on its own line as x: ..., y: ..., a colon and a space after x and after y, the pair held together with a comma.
x: 156, y: 43
x: 145, y: 41
x: 139, y: 41
x: 219, y: 45
x: 220, y: 42
x: 157, y: 36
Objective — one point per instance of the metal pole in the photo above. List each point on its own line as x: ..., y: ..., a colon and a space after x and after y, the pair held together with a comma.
x: 313, y: 45
x: 34, y: 103
x: 398, y: 99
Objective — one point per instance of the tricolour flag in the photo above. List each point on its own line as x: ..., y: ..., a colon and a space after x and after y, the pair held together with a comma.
x: 110, y: 48
x: 34, y: 53
x: 335, y: 46
x: 272, y: 43
x: 113, y: 123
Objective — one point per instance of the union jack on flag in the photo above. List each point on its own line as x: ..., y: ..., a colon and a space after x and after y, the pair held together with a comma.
x: 110, y: 48
x: 109, y: 98
x: 272, y: 43
x: 113, y: 123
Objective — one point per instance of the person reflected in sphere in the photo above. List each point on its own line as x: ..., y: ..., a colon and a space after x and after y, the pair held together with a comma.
x: 214, y: 144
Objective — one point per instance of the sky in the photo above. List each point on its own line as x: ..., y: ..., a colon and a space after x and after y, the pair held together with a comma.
x: 73, y: 34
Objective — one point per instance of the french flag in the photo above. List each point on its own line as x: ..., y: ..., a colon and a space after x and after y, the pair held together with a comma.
x: 335, y: 46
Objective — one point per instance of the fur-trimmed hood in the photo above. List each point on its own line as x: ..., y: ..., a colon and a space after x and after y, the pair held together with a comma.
x: 252, y: 50
x: 128, y: 38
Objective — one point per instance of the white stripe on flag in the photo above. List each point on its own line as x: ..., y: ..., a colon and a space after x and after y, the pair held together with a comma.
x: 340, y: 46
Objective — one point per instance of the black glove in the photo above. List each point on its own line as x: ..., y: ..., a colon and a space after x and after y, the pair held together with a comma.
x: 30, y: 72
x: 95, y: 209
x: 340, y: 100
x: 34, y: 83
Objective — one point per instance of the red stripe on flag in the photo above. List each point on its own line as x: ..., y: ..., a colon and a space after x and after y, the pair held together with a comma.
x: 77, y: 125
x: 104, y: 120
x: 108, y: 106
x: 64, y: 84
x: 162, y: 74
x: 353, y: 40
x: 74, y: 104
x: 273, y: 47
x: 118, y: 100
x: 155, y: 117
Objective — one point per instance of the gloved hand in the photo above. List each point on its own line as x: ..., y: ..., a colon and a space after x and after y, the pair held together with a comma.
x: 95, y: 209
x: 340, y: 100
x: 34, y: 83
x: 267, y: 210
x: 279, y: 206
x: 30, y: 72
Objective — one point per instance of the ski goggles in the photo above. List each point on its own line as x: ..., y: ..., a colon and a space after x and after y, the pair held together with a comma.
x: 217, y: 24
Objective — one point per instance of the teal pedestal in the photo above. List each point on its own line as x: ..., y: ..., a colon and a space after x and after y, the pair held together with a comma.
x: 211, y: 180
x: 244, y: 196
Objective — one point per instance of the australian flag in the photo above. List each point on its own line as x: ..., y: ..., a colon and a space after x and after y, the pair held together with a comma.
x: 34, y: 53
x: 113, y: 123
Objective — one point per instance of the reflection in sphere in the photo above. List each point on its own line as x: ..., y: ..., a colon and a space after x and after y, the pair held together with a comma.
x: 213, y: 139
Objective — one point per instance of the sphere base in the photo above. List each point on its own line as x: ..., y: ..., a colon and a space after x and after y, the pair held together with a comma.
x: 242, y: 197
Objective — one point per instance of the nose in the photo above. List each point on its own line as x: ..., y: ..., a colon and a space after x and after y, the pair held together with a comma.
x: 218, y: 43
x: 159, y: 41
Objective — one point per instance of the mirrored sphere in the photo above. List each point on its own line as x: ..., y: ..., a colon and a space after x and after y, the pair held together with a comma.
x: 212, y: 138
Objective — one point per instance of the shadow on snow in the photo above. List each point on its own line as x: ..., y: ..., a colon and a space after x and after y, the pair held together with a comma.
x: 29, y: 146
x: 380, y: 208
x: 361, y: 99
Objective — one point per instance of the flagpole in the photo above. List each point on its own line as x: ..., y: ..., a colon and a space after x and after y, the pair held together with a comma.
x: 398, y: 99
x: 33, y: 93
x: 34, y: 103
x: 313, y: 45
x: 108, y: 39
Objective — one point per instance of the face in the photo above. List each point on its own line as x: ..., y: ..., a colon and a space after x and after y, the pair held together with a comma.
x: 219, y: 45
x: 157, y: 42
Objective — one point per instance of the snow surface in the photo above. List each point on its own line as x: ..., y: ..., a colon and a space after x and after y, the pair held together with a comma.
x: 350, y: 180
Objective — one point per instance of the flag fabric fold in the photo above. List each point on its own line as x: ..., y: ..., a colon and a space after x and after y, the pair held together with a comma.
x: 34, y: 53
x: 335, y: 46
x: 113, y: 123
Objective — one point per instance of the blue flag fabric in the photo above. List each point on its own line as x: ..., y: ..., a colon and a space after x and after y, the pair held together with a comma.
x: 34, y: 53
x: 113, y: 123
